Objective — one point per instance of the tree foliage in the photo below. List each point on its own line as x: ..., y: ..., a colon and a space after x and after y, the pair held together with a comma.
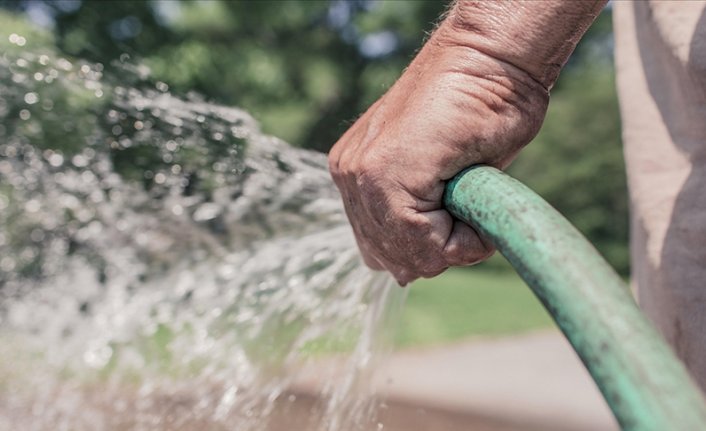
x: 303, y: 68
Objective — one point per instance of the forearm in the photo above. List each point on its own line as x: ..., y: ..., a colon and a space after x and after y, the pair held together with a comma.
x: 535, y: 36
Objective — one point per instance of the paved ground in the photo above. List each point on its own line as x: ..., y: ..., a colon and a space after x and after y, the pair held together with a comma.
x: 534, y: 379
x: 520, y: 383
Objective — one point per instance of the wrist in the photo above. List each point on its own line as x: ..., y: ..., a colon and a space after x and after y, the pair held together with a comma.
x: 484, y: 110
x: 534, y: 37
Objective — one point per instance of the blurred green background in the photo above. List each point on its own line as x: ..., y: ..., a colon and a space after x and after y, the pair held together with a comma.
x: 307, y: 69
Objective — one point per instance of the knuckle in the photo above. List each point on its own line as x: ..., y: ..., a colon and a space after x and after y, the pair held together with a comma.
x: 420, y: 232
x: 428, y: 265
x: 477, y: 256
x: 334, y: 163
x: 430, y: 273
x: 367, y: 174
x: 456, y: 254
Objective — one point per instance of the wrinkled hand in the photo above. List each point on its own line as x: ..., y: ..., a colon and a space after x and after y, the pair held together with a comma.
x: 452, y: 108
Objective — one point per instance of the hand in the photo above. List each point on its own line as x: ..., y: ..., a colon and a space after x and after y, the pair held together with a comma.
x: 453, y: 107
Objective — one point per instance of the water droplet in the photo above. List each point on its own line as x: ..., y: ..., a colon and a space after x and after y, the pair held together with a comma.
x: 10, y: 151
x: 32, y: 206
x: 240, y: 132
x: 88, y: 176
x: 63, y: 64
x: 56, y: 160
x: 25, y: 114
x: 98, y: 358
x: 207, y: 211
x: 37, y: 235
x: 17, y: 39
x: 160, y: 178
x: 7, y: 264
x: 139, y: 125
x: 171, y: 146
x: 31, y: 98
x: 79, y: 161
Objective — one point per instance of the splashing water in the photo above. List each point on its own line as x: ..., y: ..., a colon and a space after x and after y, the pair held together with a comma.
x: 165, y: 265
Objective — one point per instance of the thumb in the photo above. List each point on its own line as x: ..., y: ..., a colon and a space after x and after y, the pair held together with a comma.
x: 465, y: 247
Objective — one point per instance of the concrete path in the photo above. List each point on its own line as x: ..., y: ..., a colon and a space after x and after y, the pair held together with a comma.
x: 533, y: 379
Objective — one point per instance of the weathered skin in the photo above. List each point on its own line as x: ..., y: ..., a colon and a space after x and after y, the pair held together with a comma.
x: 477, y: 92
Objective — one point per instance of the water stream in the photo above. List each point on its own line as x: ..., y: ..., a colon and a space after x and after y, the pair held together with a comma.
x: 166, y: 265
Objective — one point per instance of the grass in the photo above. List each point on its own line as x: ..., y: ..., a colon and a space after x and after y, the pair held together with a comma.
x: 465, y: 302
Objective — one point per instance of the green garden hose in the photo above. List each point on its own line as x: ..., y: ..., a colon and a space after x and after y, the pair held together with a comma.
x: 645, y: 385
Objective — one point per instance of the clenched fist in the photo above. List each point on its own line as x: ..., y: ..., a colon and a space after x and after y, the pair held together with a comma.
x: 459, y: 103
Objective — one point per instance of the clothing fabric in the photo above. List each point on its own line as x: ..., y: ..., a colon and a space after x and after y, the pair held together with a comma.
x: 661, y: 76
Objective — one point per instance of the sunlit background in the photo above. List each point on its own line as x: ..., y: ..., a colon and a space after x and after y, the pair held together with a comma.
x: 304, y: 70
